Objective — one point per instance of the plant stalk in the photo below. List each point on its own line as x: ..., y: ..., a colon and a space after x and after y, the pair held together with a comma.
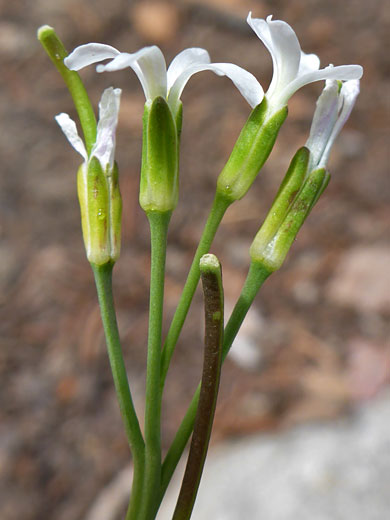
x: 218, y: 210
x: 103, y: 280
x: 152, y: 479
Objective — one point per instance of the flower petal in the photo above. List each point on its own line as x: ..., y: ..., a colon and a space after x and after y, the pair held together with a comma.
x: 68, y: 126
x: 324, y: 119
x: 283, y: 45
x: 149, y: 65
x: 184, y: 60
x: 104, y: 147
x: 349, y: 93
x: 308, y: 63
x: 90, y: 53
x: 246, y: 83
x: 342, y: 72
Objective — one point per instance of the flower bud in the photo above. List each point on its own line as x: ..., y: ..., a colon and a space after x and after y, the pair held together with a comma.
x: 159, y: 172
x: 287, y: 192
x: 250, y: 152
x: 271, y: 251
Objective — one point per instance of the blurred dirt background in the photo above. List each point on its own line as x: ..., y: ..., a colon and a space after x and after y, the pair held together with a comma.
x: 316, y: 343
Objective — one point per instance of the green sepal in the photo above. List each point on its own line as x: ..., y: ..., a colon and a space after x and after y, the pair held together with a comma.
x: 93, y: 197
x: 273, y: 255
x: 115, y: 213
x: 101, y: 207
x: 287, y: 192
x: 179, y: 120
x: 323, y: 187
x: 179, y: 124
x: 250, y: 152
x: 159, y: 171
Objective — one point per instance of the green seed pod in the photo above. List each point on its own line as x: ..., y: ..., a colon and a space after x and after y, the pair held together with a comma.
x: 250, y: 152
x: 159, y: 172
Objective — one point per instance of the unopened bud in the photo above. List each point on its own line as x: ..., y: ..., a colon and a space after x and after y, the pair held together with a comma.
x: 287, y: 192
x: 272, y: 252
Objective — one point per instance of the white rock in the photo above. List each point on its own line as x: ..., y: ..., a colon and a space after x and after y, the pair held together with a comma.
x: 319, y: 472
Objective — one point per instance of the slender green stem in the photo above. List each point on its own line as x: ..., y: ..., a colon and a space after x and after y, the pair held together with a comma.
x: 158, y: 230
x: 217, y: 212
x: 103, y: 280
x: 57, y: 53
x: 213, y: 300
x: 257, y: 275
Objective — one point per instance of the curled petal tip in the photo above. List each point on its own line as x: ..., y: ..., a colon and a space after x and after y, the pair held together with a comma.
x: 359, y: 71
x: 88, y: 54
x: 68, y: 126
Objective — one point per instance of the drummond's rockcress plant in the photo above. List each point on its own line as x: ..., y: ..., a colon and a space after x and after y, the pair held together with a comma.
x: 101, y: 205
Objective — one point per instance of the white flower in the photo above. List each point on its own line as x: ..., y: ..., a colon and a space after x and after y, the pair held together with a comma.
x: 333, y: 109
x: 293, y: 68
x: 149, y: 65
x: 104, y: 147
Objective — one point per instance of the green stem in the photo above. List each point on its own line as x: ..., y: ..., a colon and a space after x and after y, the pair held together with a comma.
x: 218, y: 209
x: 103, y: 280
x: 213, y: 301
x: 57, y: 53
x: 158, y: 230
x: 257, y: 275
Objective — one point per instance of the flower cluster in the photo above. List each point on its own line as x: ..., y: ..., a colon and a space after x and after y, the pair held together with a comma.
x: 100, y: 203
x: 150, y: 67
x: 292, y: 67
x: 162, y: 86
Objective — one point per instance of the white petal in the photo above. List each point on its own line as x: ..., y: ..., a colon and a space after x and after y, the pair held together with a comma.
x: 68, y: 126
x: 246, y: 83
x: 343, y: 72
x: 324, y: 119
x: 120, y: 62
x: 104, y: 147
x: 308, y: 63
x: 184, y: 60
x: 349, y: 93
x: 149, y: 65
x: 90, y: 53
x: 283, y: 45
